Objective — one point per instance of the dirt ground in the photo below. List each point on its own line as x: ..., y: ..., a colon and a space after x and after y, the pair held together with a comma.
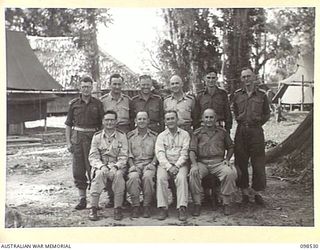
x: 39, y: 187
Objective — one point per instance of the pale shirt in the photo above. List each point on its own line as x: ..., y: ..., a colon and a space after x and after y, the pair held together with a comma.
x: 109, y: 149
x: 184, y: 107
x: 120, y: 106
x: 172, y: 149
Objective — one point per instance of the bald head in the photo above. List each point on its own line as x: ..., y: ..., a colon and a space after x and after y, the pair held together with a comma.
x: 176, y: 84
x: 209, y: 118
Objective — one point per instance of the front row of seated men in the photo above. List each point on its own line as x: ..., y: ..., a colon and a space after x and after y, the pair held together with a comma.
x: 131, y: 163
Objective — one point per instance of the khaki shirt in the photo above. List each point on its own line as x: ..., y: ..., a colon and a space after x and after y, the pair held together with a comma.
x: 172, y: 149
x: 219, y: 102
x: 254, y: 109
x: 85, y: 115
x: 109, y: 149
x: 141, y: 148
x: 185, y: 108
x: 121, y: 106
x: 210, y: 144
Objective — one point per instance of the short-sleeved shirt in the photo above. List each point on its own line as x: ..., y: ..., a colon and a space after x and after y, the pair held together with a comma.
x: 210, y: 144
x: 141, y: 148
x: 252, y: 109
x: 85, y: 115
x: 121, y: 106
x: 219, y: 102
x: 109, y: 149
x: 172, y: 149
x: 153, y: 105
x: 185, y: 108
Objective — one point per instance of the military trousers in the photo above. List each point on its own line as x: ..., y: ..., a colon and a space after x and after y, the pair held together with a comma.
x: 249, y: 144
x: 141, y: 180
x: 226, y: 174
x: 99, y: 182
x: 81, y: 142
x: 181, y: 185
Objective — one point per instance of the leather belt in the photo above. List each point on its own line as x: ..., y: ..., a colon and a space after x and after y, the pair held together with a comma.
x: 250, y: 125
x: 85, y: 129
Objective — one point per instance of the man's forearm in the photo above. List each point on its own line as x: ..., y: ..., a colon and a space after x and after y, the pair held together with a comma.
x: 68, y: 135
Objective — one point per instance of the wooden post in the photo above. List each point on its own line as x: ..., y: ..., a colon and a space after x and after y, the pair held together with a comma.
x: 302, y: 89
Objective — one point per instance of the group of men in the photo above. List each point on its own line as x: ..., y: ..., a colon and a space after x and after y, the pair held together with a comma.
x: 148, y: 145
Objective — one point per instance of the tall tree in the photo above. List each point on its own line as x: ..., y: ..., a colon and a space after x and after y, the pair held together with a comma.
x: 191, y: 45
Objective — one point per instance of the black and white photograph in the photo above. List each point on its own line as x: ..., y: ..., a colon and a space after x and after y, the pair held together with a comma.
x: 122, y: 117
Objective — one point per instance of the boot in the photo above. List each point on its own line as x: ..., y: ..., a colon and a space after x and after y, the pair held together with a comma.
x: 117, y: 213
x: 93, y: 215
x: 146, y: 212
x: 182, y: 216
x: 135, y: 212
x: 163, y: 213
x: 196, y: 210
x: 82, y: 204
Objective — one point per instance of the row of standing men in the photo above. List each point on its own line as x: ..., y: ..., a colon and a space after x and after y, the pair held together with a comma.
x: 211, y: 146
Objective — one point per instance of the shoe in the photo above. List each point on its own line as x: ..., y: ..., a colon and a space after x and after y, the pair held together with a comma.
x: 82, y: 204
x: 117, y: 213
x: 110, y: 204
x: 182, y: 216
x: 245, y: 199
x: 258, y: 199
x: 146, y: 212
x: 93, y: 215
x: 196, y: 210
x: 163, y: 213
x: 226, y: 209
x: 135, y: 212
x: 214, y: 202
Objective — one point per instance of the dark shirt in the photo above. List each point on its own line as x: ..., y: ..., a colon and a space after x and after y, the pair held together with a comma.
x: 254, y: 109
x: 210, y: 143
x: 85, y: 115
x: 218, y: 102
x: 153, y: 106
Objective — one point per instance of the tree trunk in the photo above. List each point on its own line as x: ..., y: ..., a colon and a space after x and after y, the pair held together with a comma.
x: 298, y: 145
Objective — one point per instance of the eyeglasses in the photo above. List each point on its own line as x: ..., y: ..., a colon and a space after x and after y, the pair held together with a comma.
x: 248, y: 76
x: 172, y: 83
x: 213, y: 77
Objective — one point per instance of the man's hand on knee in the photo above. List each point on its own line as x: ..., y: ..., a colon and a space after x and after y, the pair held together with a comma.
x: 195, y: 170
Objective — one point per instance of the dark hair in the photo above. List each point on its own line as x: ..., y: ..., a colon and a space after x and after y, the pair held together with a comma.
x: 171, y: 111
x: 115, y: 76
x: 86, y: 79
x: 143, y: 111
x: 211, y: 69
x: 112, y: 112
x: 144, y: 77
x: 245, y: 68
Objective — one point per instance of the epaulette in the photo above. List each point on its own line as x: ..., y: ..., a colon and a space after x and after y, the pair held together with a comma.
x: 167, y: 97
x: 98, y: 132
x: 197, y: 131
x: 135, y: 97
x: 222, y: 89
x: 74, y: 100
x: 158, y: 96
x: 120, y: 131
x: 262, y: 90
x: 124, y: 95
x: 201, y: 92
x: 130, y: 134
x: 190, y: 96
x: 238, y: 90
x: 221, y: 128
x: 153, y: 132
x: 104, y: 96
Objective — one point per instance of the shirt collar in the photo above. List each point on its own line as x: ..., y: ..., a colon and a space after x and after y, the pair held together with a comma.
x: 104, y: 134
x: 121, y: 97
x: 168, y: 131
x: 140, y: 95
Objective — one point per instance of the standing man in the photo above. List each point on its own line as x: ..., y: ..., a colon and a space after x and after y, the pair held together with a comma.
x: 182, y: 103
x: 172, y: 147
x: 83, y: 120
x: 142, y: 165
x: 147, y: 101
x: 251, y: 110
x: 118, y: 102
x: 108, y: 158
x: 210, y: 151
x: 215, y: 98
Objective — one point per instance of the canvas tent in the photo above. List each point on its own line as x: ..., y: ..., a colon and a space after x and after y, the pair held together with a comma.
x: 297, y: 89
x: 26, y: 81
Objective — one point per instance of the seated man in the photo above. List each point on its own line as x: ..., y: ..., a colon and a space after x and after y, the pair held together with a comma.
x: 207, y: 151
x: 142, y: 163
x: 108, y: 157
x: 172, y: 152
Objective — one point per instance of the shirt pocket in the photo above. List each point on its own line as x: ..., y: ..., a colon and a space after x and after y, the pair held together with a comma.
x: 154, y: 113
x: 123, y: 111
x: 184, y: 112
x: 241, y: 104
x: 257, y: 106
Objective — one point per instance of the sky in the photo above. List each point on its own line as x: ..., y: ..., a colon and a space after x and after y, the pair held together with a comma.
x: 131, y: 28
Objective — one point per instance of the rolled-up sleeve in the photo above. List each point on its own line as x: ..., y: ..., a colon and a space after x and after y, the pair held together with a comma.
x: 184, y: 150
x: 94, y: 154
x: 161, y: 153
